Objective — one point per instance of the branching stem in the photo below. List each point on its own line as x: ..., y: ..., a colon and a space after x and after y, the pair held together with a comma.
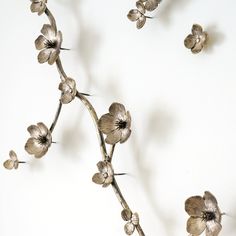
x: 124, y: 204
x: 94, y: 117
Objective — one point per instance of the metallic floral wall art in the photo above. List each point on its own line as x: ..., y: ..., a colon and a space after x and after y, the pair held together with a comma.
x: 113, y: 128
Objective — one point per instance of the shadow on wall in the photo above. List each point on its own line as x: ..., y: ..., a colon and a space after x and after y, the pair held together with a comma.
x: 86, y: 50
x: 167, y: 7
x: 35, y: 165
x: 161, y: 121
x: 88, y: 41
x: 215, y: 38
x: 230, y: 217
x: 160, y: 127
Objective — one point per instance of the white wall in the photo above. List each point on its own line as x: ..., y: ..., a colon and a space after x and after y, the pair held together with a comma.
x: 183, y: 109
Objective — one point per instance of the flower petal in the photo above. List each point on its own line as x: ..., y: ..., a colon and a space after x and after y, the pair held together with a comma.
x: 48, y: 31
x: 197, y: 48
x: 16, y: 164
x: 141, y: 22
x: 109, y: 169
x: 210, y: 201
x: 126, y: 215
x: 34, y: 131
x: 38, y: 7
x: 43, y: 128
x: 140, y: 7
x: 194, y: 206
x: 133, y: 15
x: 29, y: 146
x: 66, y: 98
x: 203, y: 37
x: 8, y: 164
x: 151, y: 5
x: 128, y: 119
x: 113, y: 137
x: 41, y: 153
x: 135, y: 219
x: 63, y: 86
x: 59, y: 39
x: 34, y: 148
x: 102, y: 166
x: 98, y: 178
x: 53, y: 56
x: 196, y: 29
x: 68, y: 86
x: 71, y: 83
x: 213, y: 228
x: 129, y: 228
x: 117, y: 108
x: 108, y: 181
x: 106, y: 123
x: 13, y: 156
x: 40, y: 42
x: 44, y: 55
x: 125, y: 133
x: 190, y: 41
x: 195, y: 225
x: 35, y: 7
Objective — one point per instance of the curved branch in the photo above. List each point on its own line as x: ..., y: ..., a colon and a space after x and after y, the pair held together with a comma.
x: 51, y: 19
x: 56, y: 117
x: 94, y: 116
x: 60, y: 69
x: 111, y: 153
x: 124, y: 204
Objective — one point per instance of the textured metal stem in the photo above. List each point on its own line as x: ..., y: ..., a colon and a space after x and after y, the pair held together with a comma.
x: 51, y: 19
x: 56, y: 117
x: 111, y: 152
x: 119, y: 195
x: 124, y: 204
x: 94, y: 116
x: 60, y: 69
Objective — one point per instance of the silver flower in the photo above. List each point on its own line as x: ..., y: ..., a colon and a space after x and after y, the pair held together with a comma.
x: 204, y: 215
x: 38, y: 6
x: 196, y: 40
x: 133, y: 221
x: 116, y: 124
x: 68, y: 89
x: 49, y: 43
x: 138, y: 15
x: 13, y: 162
x: 40, y: 140
x: 105, y: 175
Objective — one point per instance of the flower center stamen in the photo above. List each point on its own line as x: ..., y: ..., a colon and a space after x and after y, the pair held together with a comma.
x: 105, y: 175
x: 208, y: 215
x: 198, y: 39
x: 50, y: 44
x: 121, y: 124
x: 42, y: 140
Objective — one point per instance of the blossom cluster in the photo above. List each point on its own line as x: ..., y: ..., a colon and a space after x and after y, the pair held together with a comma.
x: 138, y: 14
